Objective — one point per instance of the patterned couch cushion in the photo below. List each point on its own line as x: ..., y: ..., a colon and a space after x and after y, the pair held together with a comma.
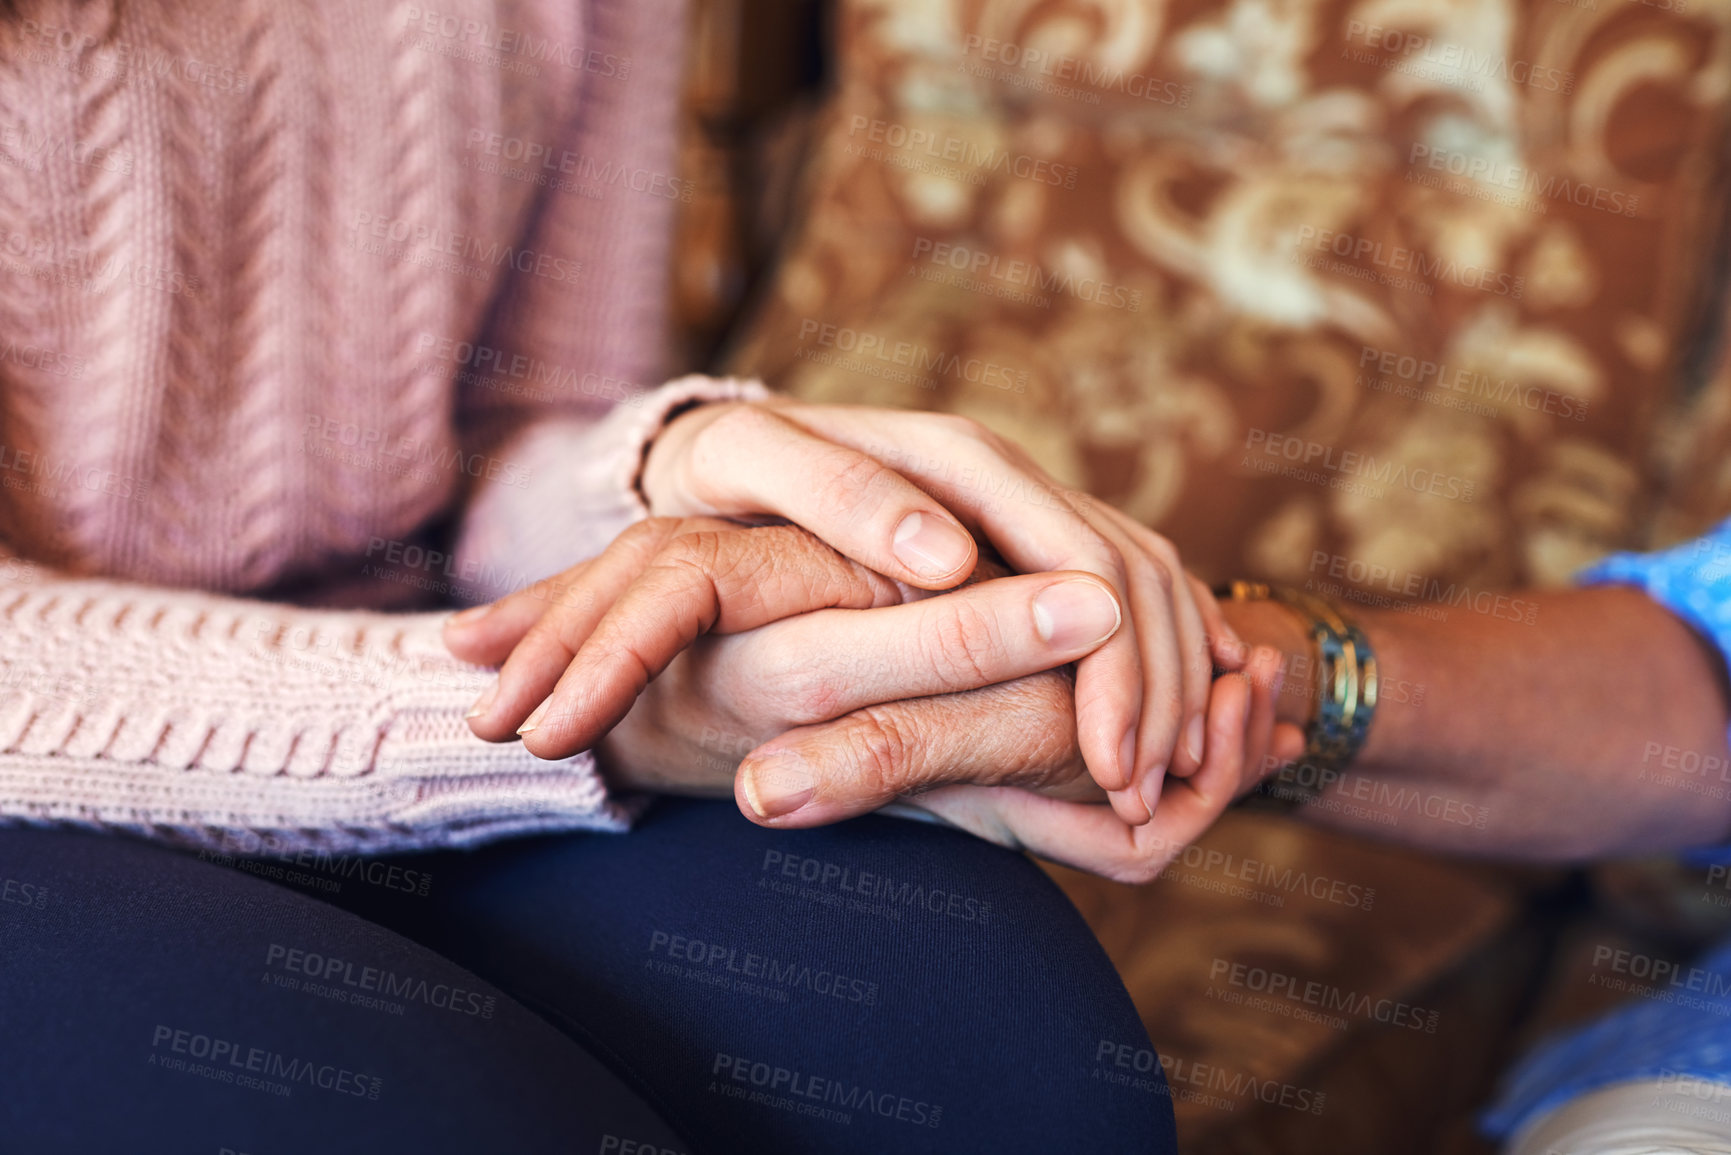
x: 1385, y: 296
x: 1693, y: 449
x: 1269, y: 960
x: 1390, y: 297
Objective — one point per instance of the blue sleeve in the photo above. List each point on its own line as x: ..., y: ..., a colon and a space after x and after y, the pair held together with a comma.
x: 1676, y: 1023
x: 1693, y: 581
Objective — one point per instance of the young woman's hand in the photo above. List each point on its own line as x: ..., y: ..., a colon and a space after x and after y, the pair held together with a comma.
x: 903, y: 493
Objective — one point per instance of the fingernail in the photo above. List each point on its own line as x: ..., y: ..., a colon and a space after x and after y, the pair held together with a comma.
x: 485, y: 701
x: 1151, y: 784
x: 1127, y: 755
x: 778, y: 784
x: 1076, y: 615
x: 930, y: 546
x: 534, y: 719
x: 1193, y: 739
x: 471, y: 615
x: 1129, y: 807
x: 1232, y: 647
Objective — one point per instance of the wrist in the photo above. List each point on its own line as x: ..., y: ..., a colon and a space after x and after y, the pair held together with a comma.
x: 660, y: 479
x: 1267, y: 623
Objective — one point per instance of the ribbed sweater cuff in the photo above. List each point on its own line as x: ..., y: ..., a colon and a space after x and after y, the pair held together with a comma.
x: 217, y: 721
x: 577, y: 489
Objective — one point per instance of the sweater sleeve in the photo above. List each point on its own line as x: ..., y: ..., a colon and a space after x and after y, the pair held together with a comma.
x: 571, y: 489
x: 230, y: 723
x: 558, y: 397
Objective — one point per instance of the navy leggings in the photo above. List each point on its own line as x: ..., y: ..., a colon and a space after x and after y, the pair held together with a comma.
x: 699, y: 985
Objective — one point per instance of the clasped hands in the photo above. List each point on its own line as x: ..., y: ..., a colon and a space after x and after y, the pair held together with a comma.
x: 861, y: 651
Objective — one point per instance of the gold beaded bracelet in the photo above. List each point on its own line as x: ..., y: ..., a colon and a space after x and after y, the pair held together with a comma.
x: 1346, y: 686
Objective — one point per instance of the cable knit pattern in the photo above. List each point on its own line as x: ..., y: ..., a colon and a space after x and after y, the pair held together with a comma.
x: 190, y: 717
x: 323, y: 301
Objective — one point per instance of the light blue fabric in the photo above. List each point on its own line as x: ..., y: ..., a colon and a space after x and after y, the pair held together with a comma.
x: 1678, y: 1023
x: 1675, y: 1025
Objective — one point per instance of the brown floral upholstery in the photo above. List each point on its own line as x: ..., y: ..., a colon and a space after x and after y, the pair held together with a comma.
x: 1302, y: 985
x: 1381, y: 290
x: 1694, y: 445
x: 1403, y: 297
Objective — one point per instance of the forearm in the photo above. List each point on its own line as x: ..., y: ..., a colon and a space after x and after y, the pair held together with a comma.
x: 1599, y: 728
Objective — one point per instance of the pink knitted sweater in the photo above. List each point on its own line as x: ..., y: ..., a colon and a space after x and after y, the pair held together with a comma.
x: 313, y: 303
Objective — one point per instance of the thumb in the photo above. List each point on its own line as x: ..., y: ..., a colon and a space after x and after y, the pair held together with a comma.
x: 858, y: 763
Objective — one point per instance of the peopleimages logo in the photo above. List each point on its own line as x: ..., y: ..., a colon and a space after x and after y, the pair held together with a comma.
x: 1399, y: 259
x: 444, y: 457
x: 399, y: 238
x: 1322, y: 996
x: 488, y: 367
x: 509, y: 42
x: 619, y: 1145
x: 1409, y: 585
x: 1411, y: 49
x: 106, y: 57
x: 1288, y: 879
x: 279, y: 848
x: 1515, y: 178
x: 77, y: 267
x: 717, y: 956
x: 1691, y: 762
x: 988, y: 269
x: 1354, y: 464
x: 542, y: 165
x: 901, y: 360
x: 23, y: 893
x: 961, y: 151
x: 376, y: 980
x: 1055, y: 66
x: 1188, y: 1080
x: 797, y: 1088
x: 1470, y: 383
x: 34, y: 472
x: 32, y: 150
x: 865, y: 884
x: 1660, y: 972
x: 42, y: 360
x: 226, y: 1061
